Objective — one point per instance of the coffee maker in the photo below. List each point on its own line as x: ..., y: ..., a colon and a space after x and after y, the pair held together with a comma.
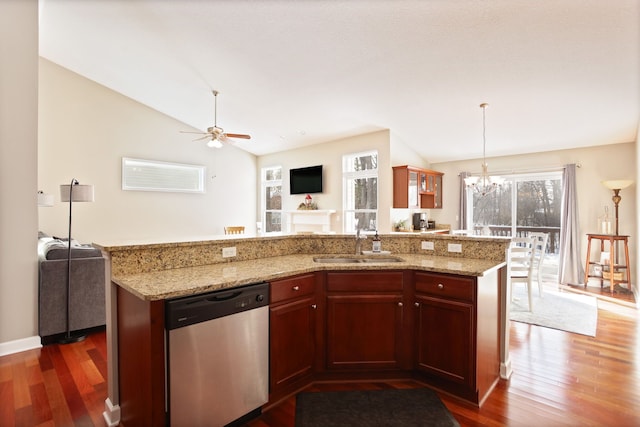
x: 419, y: 221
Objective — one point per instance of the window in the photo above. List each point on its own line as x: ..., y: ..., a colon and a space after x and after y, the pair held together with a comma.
x: 152, y: 175
x: 525, y: 203
x: 360, y: 191
x: 272, y: 199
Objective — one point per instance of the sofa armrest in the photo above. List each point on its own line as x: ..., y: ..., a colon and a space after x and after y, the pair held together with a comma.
x: 87, y: 306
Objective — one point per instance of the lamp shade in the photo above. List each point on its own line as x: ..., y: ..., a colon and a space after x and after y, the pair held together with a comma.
x: 80, y: 193
x: 617, y: 184
x: 45, y: 200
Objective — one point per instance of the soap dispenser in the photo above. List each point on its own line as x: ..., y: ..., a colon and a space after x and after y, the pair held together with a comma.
x: 377, y: 244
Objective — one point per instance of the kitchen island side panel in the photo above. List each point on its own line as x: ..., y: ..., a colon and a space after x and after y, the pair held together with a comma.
x: 141, y: 359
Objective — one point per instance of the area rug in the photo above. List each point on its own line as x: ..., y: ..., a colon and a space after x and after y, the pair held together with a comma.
x: 557, y: 310
x: 372, y: 408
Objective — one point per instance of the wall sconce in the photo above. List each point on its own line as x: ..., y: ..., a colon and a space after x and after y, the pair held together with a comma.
x: 44, y: 200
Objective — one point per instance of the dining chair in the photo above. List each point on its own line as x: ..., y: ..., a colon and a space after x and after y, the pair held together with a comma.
x: 540, y: 248
x: 520, y: 264
x: 234, y: 230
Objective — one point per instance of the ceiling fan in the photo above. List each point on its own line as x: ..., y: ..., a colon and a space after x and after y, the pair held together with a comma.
x: 216, y: 135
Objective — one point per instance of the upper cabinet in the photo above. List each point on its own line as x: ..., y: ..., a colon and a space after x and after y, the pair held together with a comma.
x: 416, y: 188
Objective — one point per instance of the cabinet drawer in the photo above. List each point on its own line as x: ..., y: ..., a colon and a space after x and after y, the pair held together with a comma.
x: 445, y: 286
x: 294, y: 287
x: 382, y: 281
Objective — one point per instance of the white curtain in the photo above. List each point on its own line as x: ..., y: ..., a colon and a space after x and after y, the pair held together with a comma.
x: 570, y: 268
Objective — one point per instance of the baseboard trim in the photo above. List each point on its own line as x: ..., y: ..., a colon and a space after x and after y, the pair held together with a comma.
x: 505, y: 369
x: 22, y: 344
x: 111, y: 413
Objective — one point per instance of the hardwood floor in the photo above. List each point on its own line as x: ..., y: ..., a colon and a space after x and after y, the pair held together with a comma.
x: 560, y: 379
x: 57, y: 385
x: 621, y: 295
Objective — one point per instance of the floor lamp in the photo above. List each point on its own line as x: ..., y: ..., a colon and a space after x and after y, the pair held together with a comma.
x: 616, y: 186
x: 73, y: 192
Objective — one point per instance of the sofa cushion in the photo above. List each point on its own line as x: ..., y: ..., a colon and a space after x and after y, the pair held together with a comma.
x: 51, y: 248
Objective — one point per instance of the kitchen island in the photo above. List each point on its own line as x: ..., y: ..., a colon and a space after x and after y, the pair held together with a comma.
x: 143, y: 276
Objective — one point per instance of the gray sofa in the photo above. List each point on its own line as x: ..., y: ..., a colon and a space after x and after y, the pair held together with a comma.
x: 87, y: 307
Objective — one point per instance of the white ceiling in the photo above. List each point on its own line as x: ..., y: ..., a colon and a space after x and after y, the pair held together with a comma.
x: 556, y: 73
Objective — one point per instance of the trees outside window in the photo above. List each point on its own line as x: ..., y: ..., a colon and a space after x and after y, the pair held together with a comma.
x: 523, y: 204
x: 360, y: 191
x: 272, y: 199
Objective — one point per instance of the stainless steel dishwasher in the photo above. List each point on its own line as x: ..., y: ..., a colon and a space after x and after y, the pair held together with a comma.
x: 218, y: 356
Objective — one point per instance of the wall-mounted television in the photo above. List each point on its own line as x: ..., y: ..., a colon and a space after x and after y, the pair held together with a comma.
x: 305, y: 180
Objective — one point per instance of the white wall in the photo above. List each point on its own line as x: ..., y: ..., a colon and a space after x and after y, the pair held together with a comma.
x: 598, y: 164
x: 329, y: 155
x: 402, y: 154
x: 84, y: 131
x: 636, y: 244
x: 18, y: 169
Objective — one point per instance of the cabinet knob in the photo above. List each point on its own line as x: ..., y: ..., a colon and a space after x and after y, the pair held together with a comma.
x: 400, y: 304
x: 296, y: 288
x: 440, y: 286
x: 417, y: 304
x: 314, y: 306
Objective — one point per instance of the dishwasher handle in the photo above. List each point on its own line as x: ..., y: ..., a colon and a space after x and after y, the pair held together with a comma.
x: 217, y: 298
x: 187, y: 311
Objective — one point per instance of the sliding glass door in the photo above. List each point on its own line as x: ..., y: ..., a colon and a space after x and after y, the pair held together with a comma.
x: 524, y: 203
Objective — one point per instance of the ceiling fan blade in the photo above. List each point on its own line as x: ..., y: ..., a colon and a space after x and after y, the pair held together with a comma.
x: 237, y: 135
x: 199, y: 133
x: 204, y: 137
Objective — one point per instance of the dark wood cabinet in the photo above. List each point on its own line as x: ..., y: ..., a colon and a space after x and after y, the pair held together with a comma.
x: 444, y: 332
x: 364, y: 328
x: 455, y: 349
x: 417, y: 188
x: 293, y: 317
x: 442, y: 329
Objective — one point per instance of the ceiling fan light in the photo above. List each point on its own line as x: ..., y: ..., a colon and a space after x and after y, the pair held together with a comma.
x: 214, y: 143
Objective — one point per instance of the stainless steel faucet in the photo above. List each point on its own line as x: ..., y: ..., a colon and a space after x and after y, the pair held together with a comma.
x: 359, y: 240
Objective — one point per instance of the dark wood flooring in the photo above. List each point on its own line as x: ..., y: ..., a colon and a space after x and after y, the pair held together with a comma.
x: 560, y: 379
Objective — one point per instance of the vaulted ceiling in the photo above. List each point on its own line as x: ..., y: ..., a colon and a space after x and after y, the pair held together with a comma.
x: 556, y: 73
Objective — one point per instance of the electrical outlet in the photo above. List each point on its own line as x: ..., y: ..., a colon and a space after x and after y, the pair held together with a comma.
x: 454, y: 247
x: 427, y: 246
x: 228, y: 252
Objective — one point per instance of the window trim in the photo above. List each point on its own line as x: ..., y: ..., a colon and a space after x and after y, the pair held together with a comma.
x: 163, y: 170
x: 364, y: 174
x: 264, y: 183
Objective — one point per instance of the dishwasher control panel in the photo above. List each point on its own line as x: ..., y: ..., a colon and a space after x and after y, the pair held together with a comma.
x: 186, y: 311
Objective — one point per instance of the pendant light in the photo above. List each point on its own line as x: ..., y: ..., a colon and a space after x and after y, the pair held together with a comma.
x: 485, y: 183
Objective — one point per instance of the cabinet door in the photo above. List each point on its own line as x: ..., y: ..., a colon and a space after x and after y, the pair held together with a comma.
x: 414, y: 193
x: 292, y: 341
x: 432, y: 197
x: 444, y: 332
x: 437, y: 191
x: 364, y: 331
x: 406, y: 187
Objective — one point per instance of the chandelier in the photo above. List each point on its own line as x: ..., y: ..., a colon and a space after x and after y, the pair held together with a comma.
x: 485, y: 183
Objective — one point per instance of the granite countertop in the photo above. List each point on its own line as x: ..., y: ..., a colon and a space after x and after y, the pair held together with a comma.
x: 178, y: 282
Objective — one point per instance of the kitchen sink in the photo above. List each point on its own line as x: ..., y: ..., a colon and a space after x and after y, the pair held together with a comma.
x: 347, y: 260
x: 336, y: 260
x: 380, y: 259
